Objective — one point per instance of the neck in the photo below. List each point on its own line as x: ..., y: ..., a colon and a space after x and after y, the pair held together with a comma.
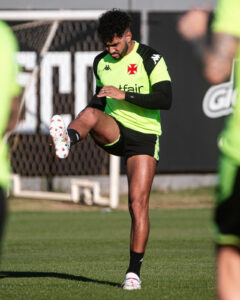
x: 130, y: 47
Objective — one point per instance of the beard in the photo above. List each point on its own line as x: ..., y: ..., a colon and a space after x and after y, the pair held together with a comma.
x: 121, y: 54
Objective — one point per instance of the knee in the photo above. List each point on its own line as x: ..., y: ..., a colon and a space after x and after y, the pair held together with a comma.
x: 88, y: 116
x: 89, y: 113
x: 138, y: 204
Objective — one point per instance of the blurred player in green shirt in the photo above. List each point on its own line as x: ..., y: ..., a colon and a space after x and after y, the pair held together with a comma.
x: 9, y: 89
x: 218, y: 60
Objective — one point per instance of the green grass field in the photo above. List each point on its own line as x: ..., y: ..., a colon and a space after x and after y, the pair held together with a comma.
x: 84, y: 255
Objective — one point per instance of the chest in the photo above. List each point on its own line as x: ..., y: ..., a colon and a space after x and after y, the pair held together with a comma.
x: 128, y: 75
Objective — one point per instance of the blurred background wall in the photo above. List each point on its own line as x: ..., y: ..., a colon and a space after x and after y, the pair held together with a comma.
x: 189, y: 141
x: 105, y: 4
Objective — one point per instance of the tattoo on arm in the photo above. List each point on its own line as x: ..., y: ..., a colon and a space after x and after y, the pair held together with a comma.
x: 219, y: 57
x: 224, y: 46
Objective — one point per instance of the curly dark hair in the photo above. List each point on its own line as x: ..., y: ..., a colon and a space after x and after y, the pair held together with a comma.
x: 113, y: 22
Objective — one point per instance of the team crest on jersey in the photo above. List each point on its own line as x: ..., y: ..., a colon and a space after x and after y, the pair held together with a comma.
x: 132, y: 69
x: 155, y: 58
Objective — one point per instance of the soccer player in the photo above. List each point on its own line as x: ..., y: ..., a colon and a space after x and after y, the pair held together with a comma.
x: 218, y: 60
x: 9, y: 89
x: 132, y: 85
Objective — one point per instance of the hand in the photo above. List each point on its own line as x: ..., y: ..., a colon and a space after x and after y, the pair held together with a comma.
x: 111, y: 91
x: 193, y: 24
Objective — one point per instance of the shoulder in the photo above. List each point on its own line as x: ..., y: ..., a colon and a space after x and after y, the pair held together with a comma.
x: 97, y: 59
x: 9, y: 44
x: 146, y: 51
x: 4, y: 28
x: 6, y: 32
x: 226, y: 17
x: 149, y: 56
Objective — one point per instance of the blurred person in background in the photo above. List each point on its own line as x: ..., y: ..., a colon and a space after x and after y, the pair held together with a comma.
x: 218, y: 58
x: 132, y: 85
x: 9, y: 105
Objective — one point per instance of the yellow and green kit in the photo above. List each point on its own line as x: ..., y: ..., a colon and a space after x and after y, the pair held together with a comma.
x: 143, y: 76
x: 8, y: 90
x: 227, y: 213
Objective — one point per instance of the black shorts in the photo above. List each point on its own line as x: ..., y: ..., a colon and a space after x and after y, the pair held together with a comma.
x: 131, y: 142
x: 227, y: 211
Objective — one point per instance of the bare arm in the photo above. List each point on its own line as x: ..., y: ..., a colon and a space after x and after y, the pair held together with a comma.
x: 217, y: 58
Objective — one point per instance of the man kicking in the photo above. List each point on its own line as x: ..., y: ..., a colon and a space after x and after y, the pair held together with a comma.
x: 123, y: 118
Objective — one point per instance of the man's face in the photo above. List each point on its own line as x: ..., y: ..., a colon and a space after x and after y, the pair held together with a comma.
x: 119, y: 46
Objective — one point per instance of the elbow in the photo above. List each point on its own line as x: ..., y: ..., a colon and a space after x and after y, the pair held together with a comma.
x: 168, y: 102
x: 165, y: 104
x: 168, y: 107
x: 168, y: 97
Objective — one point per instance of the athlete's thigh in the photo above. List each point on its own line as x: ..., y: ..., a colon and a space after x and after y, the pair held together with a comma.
x: 140, y: 173
x: 106, y: 129
x: 102, y: 127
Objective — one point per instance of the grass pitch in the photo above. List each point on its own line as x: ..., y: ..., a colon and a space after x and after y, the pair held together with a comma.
x: 84, y: 255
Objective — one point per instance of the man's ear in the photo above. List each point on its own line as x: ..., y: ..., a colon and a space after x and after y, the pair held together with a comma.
x: 128, y: 36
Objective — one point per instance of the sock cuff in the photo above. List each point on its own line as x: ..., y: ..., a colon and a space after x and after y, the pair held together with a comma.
x: 74, y: 136
x: 136, y: 254
x: 135, y: 263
